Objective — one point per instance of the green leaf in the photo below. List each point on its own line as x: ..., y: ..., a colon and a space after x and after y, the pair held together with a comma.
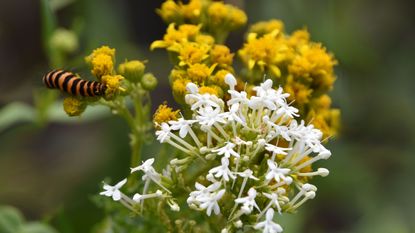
x: 10, y: 219
x: 15, y: 112
x: 36, y: 227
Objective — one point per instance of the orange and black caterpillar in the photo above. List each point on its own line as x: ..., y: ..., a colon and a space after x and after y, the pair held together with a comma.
x: 68, y: 82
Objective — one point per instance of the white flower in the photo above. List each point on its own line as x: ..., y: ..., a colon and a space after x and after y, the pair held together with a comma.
x: 268, y: 226
x: 145, y: 166
x: 277, y: 173
x: 274, y: 198
x: 209, y: 116
x: 210, y: 202
x: 237, y: 98
x: 287, y: 111
x: 248, y: 173
x: 197, y: 100
x: 113, y: 191
x: 222, y: 170
x: 233, y: 115
x: 164, y: 133
x: 263, y: 88
x: 139, y: 197
x: 182, y: 125
x: 248, y: 202
x: 201, y: 190
x: 149, y: 171
x: 230, y: 80
x: 227, y: 150
x: 257, y: 102
x: 206, y: 197
x: 276, y: 150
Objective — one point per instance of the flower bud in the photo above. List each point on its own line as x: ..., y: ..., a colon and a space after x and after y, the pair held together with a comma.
x: 64, y: 40
x: 149, y: 82
x: 73, y: 106
x: 132, y: 70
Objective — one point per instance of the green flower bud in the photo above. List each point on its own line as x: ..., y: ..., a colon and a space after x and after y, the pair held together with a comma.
x: 132, y: 70
x: 149, y: 82
x: 64, y: 40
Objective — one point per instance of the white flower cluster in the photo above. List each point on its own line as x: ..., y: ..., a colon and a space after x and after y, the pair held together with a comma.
x: 258, y: 157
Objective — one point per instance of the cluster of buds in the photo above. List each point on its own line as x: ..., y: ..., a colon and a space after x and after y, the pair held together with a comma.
x: 253, y: 159
x: 130, y: 80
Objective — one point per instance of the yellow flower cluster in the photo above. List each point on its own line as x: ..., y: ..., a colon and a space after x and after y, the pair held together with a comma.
x: 101, y: 61
x: 217, y: 18
x: 197, y: 59
x: 304, y: 69
x: 194, y: 40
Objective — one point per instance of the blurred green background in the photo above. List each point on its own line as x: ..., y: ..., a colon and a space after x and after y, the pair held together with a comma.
x: 51, y: 171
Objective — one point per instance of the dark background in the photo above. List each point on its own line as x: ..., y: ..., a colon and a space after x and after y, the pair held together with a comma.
x: 52, y: 171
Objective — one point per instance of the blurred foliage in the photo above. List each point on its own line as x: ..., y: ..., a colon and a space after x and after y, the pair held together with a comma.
x: 52, y: 171
x: 12, y: 221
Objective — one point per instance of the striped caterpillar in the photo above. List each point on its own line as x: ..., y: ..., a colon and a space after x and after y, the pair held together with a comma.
x: 68, y: 82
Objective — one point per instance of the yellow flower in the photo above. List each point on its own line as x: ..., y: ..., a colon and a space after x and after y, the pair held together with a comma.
x: 177, y: 74
x: 265, y: 27
x: 221, y: 55
x: 199, y: 72
x: 113, y: 84
x: 299, y: 92
x: 174, y: 38
x: 101, y: 61
x: 218, y: 13
x: 164, y: 114
x: 237, y: 18
x: 299, y: 38
x: 321, y: 102
x: 171, y: 38
x: 192, y: 10
x: 225, y: 16
x: 192, y: 53
x: 266, y: 52
x: 101, y: 50
x: 179, y: 89
x: 73, y: 106
x: 204, y: 39
x: 102, y: 64
x: 312, y: 60
x: 213, y: 90
x: 170, y: 12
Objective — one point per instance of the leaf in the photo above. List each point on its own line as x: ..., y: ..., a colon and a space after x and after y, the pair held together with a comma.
x: 10, y: 219
x: 36, y: 227
x: 15, y: 112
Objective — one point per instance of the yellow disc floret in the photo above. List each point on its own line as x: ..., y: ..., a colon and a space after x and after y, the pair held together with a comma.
x: 101, y: 61
x: 164, y: 114
x: 192, y: 53
x: 73, y: 106
x: 113, y: 84
x: 265, y: 27
x: 221, y: 55
x: 199, y: 72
